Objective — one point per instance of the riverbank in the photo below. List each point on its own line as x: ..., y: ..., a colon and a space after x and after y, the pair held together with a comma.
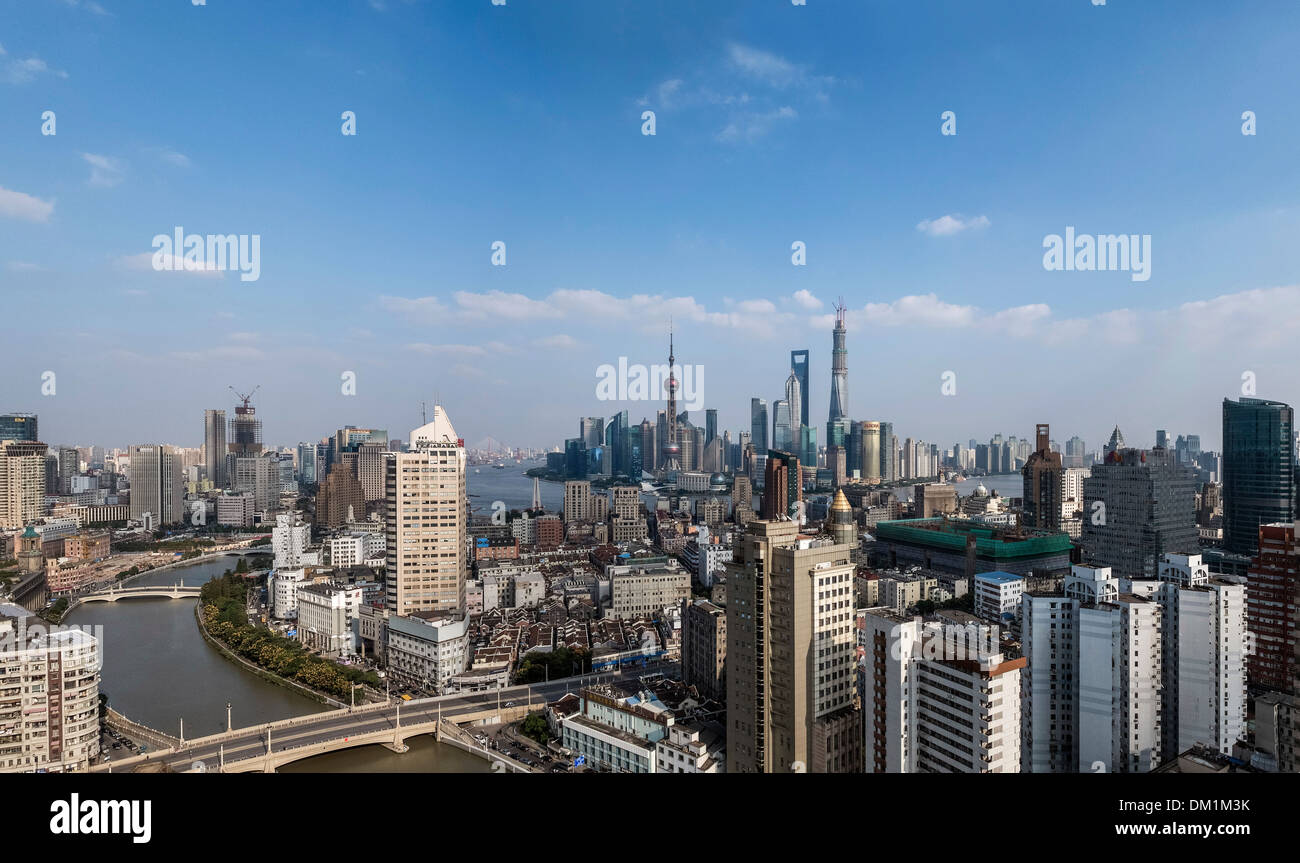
x: 190, y: 561
x: 264, y: 674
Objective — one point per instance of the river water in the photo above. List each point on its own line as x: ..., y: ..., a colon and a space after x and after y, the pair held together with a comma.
x: 158, y: 670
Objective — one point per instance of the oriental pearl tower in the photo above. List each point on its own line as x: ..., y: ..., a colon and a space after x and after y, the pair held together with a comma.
x: 672, y: 449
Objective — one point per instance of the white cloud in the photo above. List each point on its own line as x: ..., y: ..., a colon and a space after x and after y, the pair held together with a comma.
x: 774, y: 70
x: 559, y: 340
x: 499, y: 305
x: 23, y: 267
x: 651, y: 312
x: 750, y: 125
x: 748, y: 91
x: 221, y: 352
x: 105, y: 171
x: 447, y: 350
x: 172, y: 157
x: 923, y: 310
x: 805, y: 299
x: 423, y: 309
x: 88, y: 5
x: 953, y: 223
x: 20, y: 205
x: 25, y: 71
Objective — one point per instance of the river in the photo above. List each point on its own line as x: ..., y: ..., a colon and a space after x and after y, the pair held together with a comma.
x: 158, y: 670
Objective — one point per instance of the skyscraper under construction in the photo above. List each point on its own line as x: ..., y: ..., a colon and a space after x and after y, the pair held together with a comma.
x: 839, y: 368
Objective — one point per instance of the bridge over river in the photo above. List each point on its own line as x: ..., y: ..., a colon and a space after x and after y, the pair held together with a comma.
x: 263, y: 748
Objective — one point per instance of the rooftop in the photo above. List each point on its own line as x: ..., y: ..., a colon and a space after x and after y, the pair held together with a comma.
x: 991, y: 541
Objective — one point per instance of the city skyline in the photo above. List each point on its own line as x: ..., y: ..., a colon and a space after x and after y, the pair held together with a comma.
x: 818, y: 130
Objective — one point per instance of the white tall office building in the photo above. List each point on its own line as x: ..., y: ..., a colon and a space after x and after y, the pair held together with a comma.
x: 425, y: 498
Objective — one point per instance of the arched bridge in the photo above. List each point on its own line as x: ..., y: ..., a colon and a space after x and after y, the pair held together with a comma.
x: 113, y: 594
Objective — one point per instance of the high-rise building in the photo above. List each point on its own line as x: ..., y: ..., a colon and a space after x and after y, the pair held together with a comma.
x: 758, y: 425
x: 704, y: 647
x: 19, y: 427
x: 22, y: 483
x: 1044, y: 483
x: 1205, y: 650
x: 791, y: 681
x: 1138, y: 506
x: 591, y: 430
x: 1091, y: 686
x: 794, y: 394
x: 1259, y: 485
x: 289, y: 539
x: 799, y: 368
x: 937, y: 698
x: 854, y: 455
x: 742, y: 501
x: 710, y: 425
x: 307, y: 463
x: 1272, y: 601
x: 214, y: 447
x: 888, y: 453
x: 649, y: 452
x: 1075, y: 452
x: 782, y: 488
x: 808, y: 448
x: 245, y: 437
x: 69, y: 466
x: 370, y: 468
x: 839, y: 369
x: 260, y: 476
x: 782, y: 428
x: 49, y: 718
x: 578, y: 504
x: 425, y: 524
x: 339, y: 498
x: 157, y: 484
x: 871, y: 452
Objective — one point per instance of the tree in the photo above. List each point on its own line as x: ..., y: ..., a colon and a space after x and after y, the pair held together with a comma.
x: 536, y: 728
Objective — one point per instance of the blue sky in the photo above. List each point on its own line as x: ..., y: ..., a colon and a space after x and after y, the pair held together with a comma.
x: 522, y: 123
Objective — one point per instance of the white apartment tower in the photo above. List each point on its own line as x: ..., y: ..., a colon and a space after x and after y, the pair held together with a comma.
x: 49, y: 695
x: 425, y: 497
x: 1091, y: 694
x: 1206, y: 644
x: 289, y: 538
x: 937, y: 698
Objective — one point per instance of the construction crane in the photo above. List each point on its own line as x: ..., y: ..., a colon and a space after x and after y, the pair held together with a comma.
x: 245, y: 398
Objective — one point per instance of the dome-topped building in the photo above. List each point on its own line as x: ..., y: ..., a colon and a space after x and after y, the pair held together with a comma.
x: 839, y: 520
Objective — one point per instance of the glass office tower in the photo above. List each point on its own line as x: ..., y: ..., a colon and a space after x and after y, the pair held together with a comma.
x: 1259, y: 483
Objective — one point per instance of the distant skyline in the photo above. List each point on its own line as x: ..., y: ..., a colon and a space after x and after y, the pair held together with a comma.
x: 775, y: 125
